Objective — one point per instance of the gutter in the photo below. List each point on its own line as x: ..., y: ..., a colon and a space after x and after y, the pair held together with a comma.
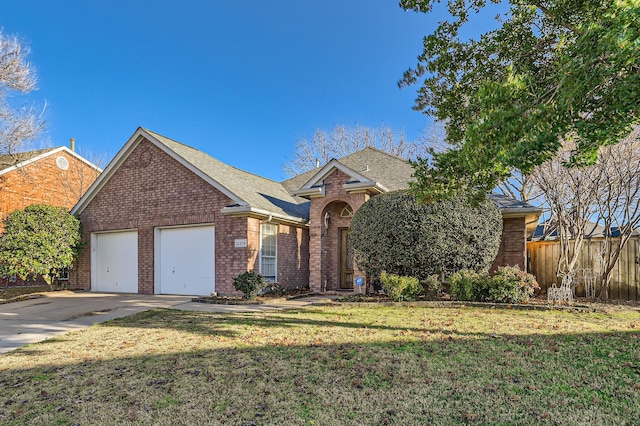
x: 239, y: 211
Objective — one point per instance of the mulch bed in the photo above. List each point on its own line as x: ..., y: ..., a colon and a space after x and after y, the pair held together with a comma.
x: 260, y: 300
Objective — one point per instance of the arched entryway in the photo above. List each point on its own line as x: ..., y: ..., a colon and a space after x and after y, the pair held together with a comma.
x: 337, y: 267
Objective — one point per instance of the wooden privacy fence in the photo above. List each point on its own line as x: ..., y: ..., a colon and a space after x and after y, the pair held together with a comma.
x: 625, y: 278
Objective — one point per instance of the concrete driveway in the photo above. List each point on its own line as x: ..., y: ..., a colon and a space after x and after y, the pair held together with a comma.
x: 59, y: 312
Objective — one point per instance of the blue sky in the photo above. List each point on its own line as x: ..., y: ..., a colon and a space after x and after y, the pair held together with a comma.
x: 242, y: 80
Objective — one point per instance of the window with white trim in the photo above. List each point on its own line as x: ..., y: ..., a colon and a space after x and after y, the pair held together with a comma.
x: 269, y: 251
x: 63, y: 274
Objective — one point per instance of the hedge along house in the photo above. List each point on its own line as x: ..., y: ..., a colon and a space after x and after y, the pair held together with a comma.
x: 166, y: 218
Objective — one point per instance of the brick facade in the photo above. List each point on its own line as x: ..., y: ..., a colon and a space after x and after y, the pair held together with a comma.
x: 150, y: 189
x: 293, y: 256
x: 324, y: 240
x: 513, y: 246
x: 43, y: 182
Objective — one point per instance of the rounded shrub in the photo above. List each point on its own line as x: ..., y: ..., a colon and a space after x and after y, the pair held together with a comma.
x: 469, y: 285
x: 511, y: 285
x: 250, y: 284
x: 393, y: 232
x: 508, y: 285
x: 401, y: 288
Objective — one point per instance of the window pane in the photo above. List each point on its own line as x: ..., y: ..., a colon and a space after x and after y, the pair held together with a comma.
x: 269, y: 245
x: 268, y: 267
x: 269, y: 251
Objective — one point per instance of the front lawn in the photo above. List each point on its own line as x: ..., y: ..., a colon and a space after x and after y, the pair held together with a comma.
x: 345, y: 365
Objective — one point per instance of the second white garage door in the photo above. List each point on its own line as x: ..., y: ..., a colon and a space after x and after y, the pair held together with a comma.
x: 185, y: 260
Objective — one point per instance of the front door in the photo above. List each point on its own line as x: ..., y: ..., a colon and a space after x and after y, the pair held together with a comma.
x: 346, y: 260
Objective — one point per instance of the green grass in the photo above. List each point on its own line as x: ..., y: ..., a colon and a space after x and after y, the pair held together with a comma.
x: 344, y: 365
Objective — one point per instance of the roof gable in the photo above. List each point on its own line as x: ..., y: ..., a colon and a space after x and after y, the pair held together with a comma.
x: 249, y: 193
x: 10, y: 162
x: 367, y: 166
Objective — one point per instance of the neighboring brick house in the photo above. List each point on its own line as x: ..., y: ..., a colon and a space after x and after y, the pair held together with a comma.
x: 167, y: 218
x: 54, y: 176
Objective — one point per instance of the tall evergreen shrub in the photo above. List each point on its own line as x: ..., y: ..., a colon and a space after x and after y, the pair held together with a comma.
x: 393, y: 232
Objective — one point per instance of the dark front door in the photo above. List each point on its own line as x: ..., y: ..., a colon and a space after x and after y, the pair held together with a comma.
x: 346, y: 260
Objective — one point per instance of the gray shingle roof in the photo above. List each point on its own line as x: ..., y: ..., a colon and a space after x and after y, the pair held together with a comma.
x: 378, y: 166
x: 547, y: 231
x: 392, y: 172
x: 512, y: 205
x: 258, y: 192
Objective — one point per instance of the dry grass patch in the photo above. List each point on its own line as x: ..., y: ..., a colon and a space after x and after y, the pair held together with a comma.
x: 14, y: 294
x: 348, y: 365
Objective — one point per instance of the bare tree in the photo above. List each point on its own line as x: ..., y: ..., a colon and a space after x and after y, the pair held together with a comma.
x: 618, y: 186
x: 80, y: 175
x: 342, y: 141
x: 572, y: 199
x: 18, y: 126
x: 523, y: 187
x: 607, y: 193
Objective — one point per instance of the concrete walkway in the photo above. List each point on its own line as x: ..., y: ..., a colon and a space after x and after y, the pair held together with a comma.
x: 59, y: 312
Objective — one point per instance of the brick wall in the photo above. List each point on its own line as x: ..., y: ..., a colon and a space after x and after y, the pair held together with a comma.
x: 293, y: 253
x: 43, y: 182
x: 323, y: 246
x: 253, y: 243
x: 513, y: 248
x: 143, y: 195
x: 293, y: 256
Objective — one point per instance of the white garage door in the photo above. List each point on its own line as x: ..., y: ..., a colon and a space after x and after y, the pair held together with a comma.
x: 185, y: 260
x: 115, y: 262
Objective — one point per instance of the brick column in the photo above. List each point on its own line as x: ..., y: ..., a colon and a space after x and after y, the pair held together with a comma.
x: 315, y: 247
x: 513, y: 247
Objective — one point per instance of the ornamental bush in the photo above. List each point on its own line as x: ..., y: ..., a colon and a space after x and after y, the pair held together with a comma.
x: 469, y: 285
x: 508, y: 285
x: 393, y: 232
x: 400, y: 288
x: 511, y: 285
x: 38, y: 241
x: 250, y: 284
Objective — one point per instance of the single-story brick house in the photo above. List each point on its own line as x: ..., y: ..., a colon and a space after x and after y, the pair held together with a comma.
x: 166, y: 218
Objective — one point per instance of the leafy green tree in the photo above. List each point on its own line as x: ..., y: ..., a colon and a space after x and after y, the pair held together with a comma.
x: 38, y: 241
x: 551, y: 70
x: 392, y: 232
